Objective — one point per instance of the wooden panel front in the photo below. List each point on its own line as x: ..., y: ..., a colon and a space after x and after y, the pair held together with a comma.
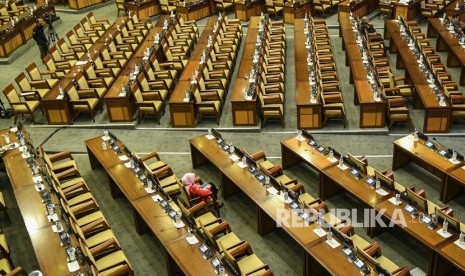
x: 437, y: 120
x: 182, y: 114
x: 372, y: 115
x: 246, y: 10
x: 309, y: 116
x: 57, y: 112
x: 120, y: 110
x: 244, y: 113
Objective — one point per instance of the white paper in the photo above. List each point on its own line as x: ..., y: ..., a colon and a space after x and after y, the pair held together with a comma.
x: 179, y: 225
x: 393, y: 201
x: 192, y: 240
x: 234, y: 157
x: 332, y: 160
x: 21, y: 148
x: 320, y: 232
x: 149, y: 190
x: 443, y: 234
x: 272, y: 191
x: 463, y: 168
x: 106, y: 138
x: 73, y: 266
x: 381, y: 192
x: 122, y: 94
x: 55, y: 230
x: 157, y: 198
x: 26, y: 156
x: 209, y: 137
x: 333, y: 243
x: 127, y: 165
x: 344, y: 167
x: 456, y: 161
x: 81, y: 62
x: 36, y: 179
x: 123, y: 158
x: 241, y: 165
x: 14, y: 129
x: 60, y: 97
x: 185, y: 100
x: 301, y: 138
x: 53, y: 218
x: 460, y: 244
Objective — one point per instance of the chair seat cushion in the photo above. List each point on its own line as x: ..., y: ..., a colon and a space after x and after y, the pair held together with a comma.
x: 99, y: 238
x: 206, y: 218
x: 79, y: 199
x: 249, y: 263
x: 110, y: 260
x: 172, y: 179
x: 31, y: 104
x: 89, y: 218
x: 57, y: 166
x: 228, y: 240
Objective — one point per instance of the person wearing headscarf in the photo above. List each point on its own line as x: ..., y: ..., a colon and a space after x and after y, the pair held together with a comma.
x: 206, y: 191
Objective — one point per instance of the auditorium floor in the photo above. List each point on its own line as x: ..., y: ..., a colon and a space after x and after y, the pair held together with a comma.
x: 276, y: 249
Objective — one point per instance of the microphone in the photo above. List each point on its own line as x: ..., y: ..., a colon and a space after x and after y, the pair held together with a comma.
x: 446, y: 154
x: 436, y: 140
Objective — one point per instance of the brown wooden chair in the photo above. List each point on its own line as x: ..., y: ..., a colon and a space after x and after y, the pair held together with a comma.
x: 83, y: 100
x: 458, y: 107
x: 333, y: 107
x: 20, y: 104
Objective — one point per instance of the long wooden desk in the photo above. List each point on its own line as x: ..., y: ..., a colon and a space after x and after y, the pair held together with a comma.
x: 245, y: 112
x: 200, y: 9
x: 46, y: 244
x: 447, y: 42
x: 452, y: 175
x: 296, y: 10
x: 359, y: 9
x: 11, y: 37
x: 183, y: 114
x: 59, y: 111
x: 245, y: 9
x: 181, y: 257
x: 309, y: 115
x: 407, y: 11
x: 372, y: 113
x: 437, y: 117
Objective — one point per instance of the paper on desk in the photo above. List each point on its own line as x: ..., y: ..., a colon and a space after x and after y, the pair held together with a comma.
x: 36, y: 179
x: 14, y: 129
x: 55, y: 229
x: 60, y: 97
x: 73, y: 266
x: 127, y: 165
x: 21, y: 148
x: 272, y: 190
x: 234, y: 157
x: 179, y: 225
x: 186, y: 100
x: 463, y: 168
x: 381, y: 192
x: 460, y: 244
x: 122, y: 94
x: 344, y: 167
x: 393, y: 201
x: 241, y: 165
x: 454, y: 161
x: 81, y: 62
x: 443, y: 234
x: 301, y: 138
x: 157, y: 198
x: 320, y: 232
x: 52, y: 218
x: 149, y: 190
x: 192, y: 240
x: 332, y: 160
x: 333, y: 243
x: 209, y: 137
x: 123, y: 158
x: 27, y: 155
x: 105, y: 138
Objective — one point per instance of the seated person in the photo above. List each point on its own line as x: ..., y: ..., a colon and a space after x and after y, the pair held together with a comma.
x: 206, y: 191
x: 366, y: 26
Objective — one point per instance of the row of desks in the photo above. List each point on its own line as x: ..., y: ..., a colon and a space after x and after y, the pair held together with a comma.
x: 437, y: 118
x: 309, y: 115
x: 442, y: 251
x: 182, y: 258
x: 372, y: 113
x: 319, y: 257
x: 46, y: 243
x: 245, y: 112
x: 446, y: 42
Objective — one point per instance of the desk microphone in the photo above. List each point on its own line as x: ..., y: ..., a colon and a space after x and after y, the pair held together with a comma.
x: 436, y: 140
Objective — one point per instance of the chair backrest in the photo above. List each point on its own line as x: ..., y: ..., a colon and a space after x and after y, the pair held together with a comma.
x: 11, y: 94
x: 23, y: 82
x: 137, y: 93
x: 72, y: 93
x: 81, y: 81
x: 63, y: 46
x: 184, y: 195
x: 198, y: 98
x: 55, y: 54
x: 4, y: 12
x: 33, y: 72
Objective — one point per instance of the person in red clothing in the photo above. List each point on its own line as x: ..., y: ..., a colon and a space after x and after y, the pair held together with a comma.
x: 207, y: 191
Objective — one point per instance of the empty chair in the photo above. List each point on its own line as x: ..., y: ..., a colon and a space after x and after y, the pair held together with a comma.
x: 58, y: 162
x: 207, y: 104
x: 20, y: 104
x: 108, y: 259
x: 166, y: 8
x: 333, y: 107
x: 26, y: 87
x: 148, y: 104
x: 273, y: 7
x: 458, y: 107
x: 272, y: 107
x: 242, y: 258
x: 397, y: 111
x: 223, y: 234
x: 83, y: 101
x: 152, y: 161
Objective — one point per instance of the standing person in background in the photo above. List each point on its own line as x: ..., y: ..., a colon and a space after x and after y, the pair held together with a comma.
x: 40, y: 38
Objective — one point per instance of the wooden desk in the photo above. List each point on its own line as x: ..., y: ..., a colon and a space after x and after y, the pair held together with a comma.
x: 359, y: 8
x: 447, y: 42
x: 437, y: 118
x: 296, y: 10
x: 46, y: 244
x: 309, y: 115
x: 147, y: 213
x: 407, y: 11
x: 246, y: 9
x: 197, y: 11
x: 453, y: 179
x: 294, y: 151
x: 144, y: 9
x: 245, y: 112
x: 372, y: 113
x: 451, y: 10
x: 81, y: 4
x: 448, y: 259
